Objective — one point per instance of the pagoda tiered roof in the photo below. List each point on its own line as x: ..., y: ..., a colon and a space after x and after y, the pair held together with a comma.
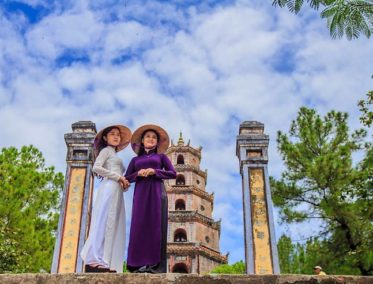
x: 195, y: 248
x: 193, y: 216
x: 184, y: 167
x: 190, y: 189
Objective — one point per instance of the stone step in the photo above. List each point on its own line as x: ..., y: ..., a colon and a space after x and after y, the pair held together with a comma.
x: 101, y: 278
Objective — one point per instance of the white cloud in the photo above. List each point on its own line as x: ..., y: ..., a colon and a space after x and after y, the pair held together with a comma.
x: 237, y: 39
x: 125, y: 38
x: 62, y: 32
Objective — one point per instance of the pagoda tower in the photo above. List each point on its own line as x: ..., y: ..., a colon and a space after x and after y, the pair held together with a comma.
x: 193, y: 236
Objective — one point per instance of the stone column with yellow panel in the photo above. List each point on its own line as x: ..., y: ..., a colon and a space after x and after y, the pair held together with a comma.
x: 77, y: 198
x: 261, y: 255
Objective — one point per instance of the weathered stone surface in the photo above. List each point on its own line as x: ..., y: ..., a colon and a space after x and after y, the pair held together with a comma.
x: 178, y: 279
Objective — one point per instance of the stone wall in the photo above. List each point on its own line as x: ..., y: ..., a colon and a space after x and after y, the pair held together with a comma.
x: 203, y: 231
x: 178, y: 279
x: 202, y: 205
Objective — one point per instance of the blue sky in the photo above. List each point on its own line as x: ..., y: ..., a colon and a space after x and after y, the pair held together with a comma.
x: 200, y: 67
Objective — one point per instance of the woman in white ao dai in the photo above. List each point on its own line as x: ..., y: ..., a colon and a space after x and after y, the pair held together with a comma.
x: 104, y: 249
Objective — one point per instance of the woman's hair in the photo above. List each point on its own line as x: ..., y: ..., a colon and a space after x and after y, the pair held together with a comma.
x: 102, y: 143
x: 142, y: 148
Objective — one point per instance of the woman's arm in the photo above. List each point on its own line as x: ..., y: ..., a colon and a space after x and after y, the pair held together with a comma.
x: 131, y: 172
x: 168, y: 171
x: 98, y: 166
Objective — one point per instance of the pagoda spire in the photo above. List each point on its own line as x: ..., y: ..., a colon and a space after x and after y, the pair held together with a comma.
x: 181, y: 140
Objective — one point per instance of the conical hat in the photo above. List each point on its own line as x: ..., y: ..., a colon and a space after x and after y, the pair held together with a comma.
x: 125, y: 137
x: 163, y: 143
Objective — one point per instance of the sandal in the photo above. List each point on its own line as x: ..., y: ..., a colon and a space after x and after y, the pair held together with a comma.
x: 95, y: 269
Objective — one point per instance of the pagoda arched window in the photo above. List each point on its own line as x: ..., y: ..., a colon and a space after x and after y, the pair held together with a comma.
x: 180, y: 236
x: 180, y: 160
x: 180, y: 204
x: 180, y: 179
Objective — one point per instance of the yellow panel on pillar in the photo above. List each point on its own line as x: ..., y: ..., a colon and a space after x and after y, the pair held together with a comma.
x: 71, y: 228
x: 261, y: 239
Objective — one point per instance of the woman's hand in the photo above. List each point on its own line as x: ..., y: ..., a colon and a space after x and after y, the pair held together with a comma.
x: 124, y: 183
x: 141, y: 173
x: 150, y: 172
x: 146, y: 172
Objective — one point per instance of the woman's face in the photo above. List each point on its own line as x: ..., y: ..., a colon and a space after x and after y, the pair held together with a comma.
x: 113, y: 137
x: 150, y: 139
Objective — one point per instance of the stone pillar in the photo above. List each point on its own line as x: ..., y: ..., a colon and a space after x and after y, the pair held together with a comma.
x: 260, y: 243
x: 74, y: 219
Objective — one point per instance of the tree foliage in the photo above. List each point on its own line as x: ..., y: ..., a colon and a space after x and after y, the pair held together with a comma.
x: 236, y: 268
x: 297, y: 258
x: 367, y: 114
x: 285, y: 249
x: 28, y: 210
x: 344, y: 17
x: 321, y: 182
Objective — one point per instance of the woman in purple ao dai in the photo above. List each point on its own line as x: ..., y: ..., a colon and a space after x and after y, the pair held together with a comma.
x: 148, y: 233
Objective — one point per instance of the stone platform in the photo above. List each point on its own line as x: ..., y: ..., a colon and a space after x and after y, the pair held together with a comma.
x: 178, y: 279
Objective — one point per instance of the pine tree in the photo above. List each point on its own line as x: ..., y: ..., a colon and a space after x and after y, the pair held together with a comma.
x: 321, y: 182
x: 28, y: 210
